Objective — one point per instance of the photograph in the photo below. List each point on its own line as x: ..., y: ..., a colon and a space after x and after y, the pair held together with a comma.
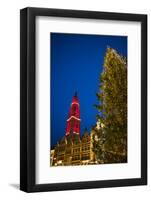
x: 88, y: 99
x: 83, y: 119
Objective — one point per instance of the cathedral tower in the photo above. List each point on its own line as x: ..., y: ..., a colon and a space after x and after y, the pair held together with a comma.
x: 73, y: 121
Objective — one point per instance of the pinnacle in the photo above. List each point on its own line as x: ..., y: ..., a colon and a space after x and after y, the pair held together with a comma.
x: 75, y: 94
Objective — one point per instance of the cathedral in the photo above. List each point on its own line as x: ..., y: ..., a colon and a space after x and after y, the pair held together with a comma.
x: 74, y: 149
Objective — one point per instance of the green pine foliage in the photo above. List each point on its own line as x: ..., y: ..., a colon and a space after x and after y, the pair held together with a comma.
x: 110, y: 142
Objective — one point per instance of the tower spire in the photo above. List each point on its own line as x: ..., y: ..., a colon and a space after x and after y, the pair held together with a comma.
x: 75, y: 94
x: 73, y: 121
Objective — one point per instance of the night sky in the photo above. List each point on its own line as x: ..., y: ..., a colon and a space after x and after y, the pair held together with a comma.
x: 76, y: 62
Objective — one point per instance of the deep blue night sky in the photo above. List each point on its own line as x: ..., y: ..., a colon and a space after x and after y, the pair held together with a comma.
x: 76, y: 63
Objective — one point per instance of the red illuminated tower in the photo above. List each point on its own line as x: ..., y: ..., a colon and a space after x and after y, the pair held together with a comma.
x: 73, y: 121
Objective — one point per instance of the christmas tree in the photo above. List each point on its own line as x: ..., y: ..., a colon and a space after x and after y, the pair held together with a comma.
x: 110, y: 140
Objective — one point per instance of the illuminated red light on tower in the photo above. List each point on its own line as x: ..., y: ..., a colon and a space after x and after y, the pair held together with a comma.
x: 73, y: 121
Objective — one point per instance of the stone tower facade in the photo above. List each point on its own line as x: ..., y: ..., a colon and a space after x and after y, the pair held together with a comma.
x: 73, y: 121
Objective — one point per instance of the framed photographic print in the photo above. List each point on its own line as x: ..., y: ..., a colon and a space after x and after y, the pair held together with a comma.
x: 83, y: 99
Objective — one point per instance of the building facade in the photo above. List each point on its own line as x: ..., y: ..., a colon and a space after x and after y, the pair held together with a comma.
x: 73, y: 149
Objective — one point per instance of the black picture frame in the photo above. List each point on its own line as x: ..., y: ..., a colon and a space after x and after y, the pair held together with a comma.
x: 28, y: 99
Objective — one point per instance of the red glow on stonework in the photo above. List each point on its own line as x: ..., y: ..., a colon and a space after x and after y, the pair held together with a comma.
x: 73, y: 121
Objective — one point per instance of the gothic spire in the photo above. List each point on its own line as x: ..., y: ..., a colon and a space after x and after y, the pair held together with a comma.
x: 75, y: 94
